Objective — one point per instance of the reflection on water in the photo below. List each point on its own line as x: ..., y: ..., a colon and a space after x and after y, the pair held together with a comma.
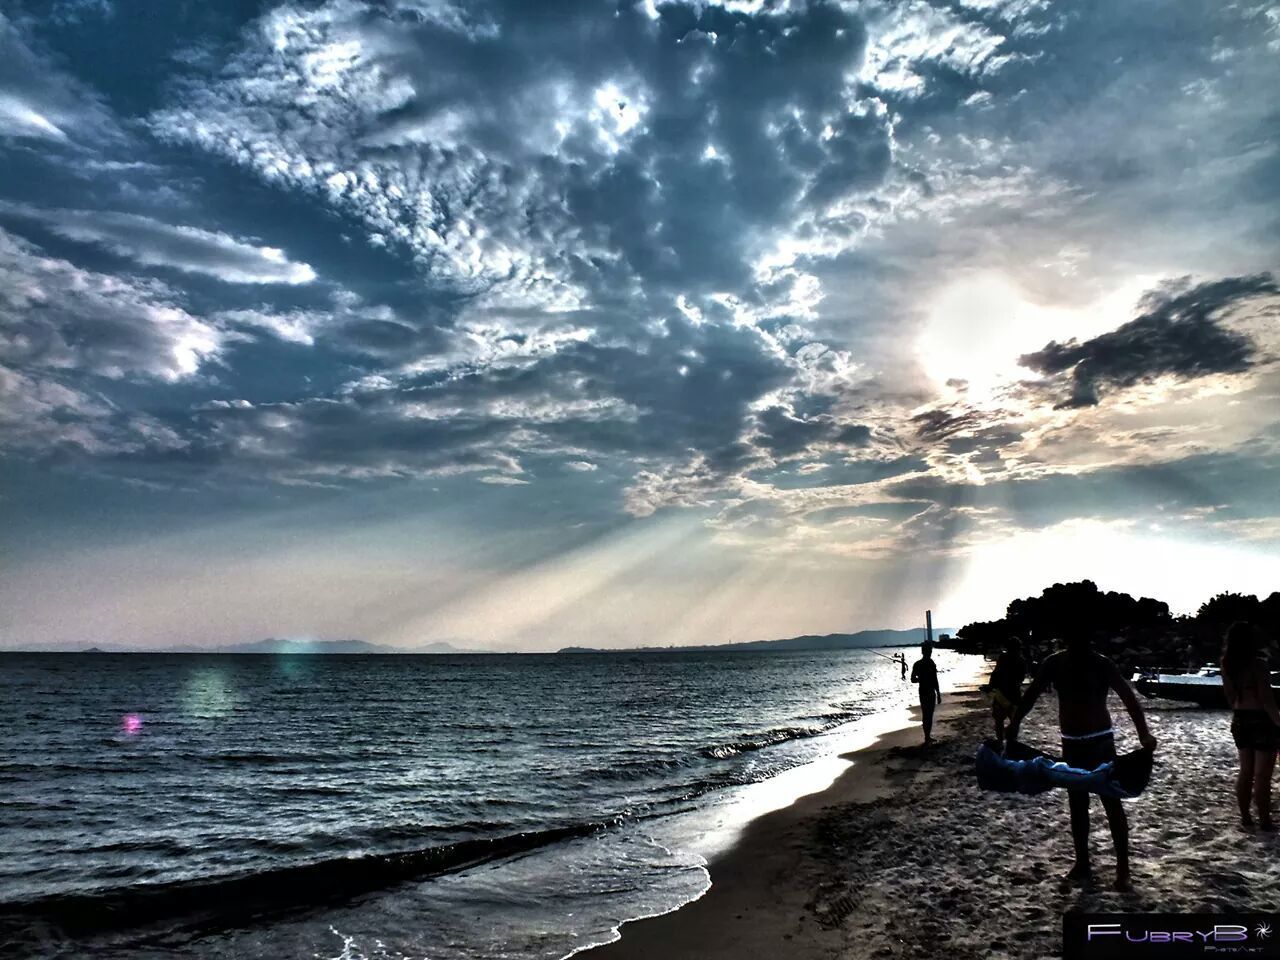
x: 442, y: 806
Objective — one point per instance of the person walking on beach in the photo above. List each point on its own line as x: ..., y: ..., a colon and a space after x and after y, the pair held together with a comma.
x: 1005, y: 684
x: 1082, y: 679
x: 925, y: 673
x: 1255, y: 721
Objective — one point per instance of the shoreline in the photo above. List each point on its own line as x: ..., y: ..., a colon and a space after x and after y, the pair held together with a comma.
x: 758, y: 904
x: 903, y: 856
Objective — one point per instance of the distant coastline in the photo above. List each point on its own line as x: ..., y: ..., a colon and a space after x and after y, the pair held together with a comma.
x: 862, y: 640
x: 276, y: 647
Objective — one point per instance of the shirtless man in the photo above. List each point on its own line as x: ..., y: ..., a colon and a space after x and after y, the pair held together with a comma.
x: 1083, y: 679
x: 925, y: 673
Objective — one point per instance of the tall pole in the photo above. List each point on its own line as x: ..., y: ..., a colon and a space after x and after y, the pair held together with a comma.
x: 928, y: 625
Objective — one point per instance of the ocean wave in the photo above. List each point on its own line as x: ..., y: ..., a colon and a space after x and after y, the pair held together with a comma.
x: 769, y: 738
x: 648, y: 767
x: 225, y: 902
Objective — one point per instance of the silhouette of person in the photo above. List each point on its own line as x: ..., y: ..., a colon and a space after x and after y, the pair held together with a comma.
x: 1255, y: 720
x: 1005, y: 684
x: 925, y: 673
x: 1083, y: 679
x: 902, y: 662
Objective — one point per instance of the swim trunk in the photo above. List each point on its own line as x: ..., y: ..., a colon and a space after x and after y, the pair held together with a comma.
x: 928, y: 702
x: 1254, y: 730
x: 1089, y: 753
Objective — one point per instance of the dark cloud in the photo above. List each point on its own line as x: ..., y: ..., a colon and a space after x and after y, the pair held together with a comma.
x: 785, y: 435
x: 1181, y: 335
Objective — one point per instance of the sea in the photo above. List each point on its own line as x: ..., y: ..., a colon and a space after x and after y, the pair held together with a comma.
x: 443, y: 807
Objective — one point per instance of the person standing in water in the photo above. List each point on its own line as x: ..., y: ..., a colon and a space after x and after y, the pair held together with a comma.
x: 925, y: 673
x: 1255, y: 721
x: 1005, y: 684
x: 1082, y: 679
x: 902, y: 662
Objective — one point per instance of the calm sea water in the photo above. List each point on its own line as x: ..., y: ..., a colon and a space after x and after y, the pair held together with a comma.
x: 407, y: 806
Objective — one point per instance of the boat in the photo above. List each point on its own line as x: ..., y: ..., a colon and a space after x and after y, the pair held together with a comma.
x: 1202, y: 687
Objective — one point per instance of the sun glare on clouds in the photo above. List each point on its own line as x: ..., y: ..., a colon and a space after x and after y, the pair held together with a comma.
x: 979, y: 326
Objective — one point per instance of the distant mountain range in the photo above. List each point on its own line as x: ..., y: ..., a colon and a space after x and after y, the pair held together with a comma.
x: 277, y: 646
x: 335, y: 646
x: 828, y: 641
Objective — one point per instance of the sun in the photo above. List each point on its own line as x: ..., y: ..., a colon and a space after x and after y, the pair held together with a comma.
x: 977, y: 327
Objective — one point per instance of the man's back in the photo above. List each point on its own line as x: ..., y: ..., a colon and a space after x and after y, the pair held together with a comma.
x: 925, y: 673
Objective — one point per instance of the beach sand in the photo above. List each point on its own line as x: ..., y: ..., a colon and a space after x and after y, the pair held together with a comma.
x: 904, y: 856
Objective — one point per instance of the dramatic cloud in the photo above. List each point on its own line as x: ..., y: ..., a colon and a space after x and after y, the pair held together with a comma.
x: 553, y: 159
x: 55, y: 316
x: 1181, y: 335
x: 860, y: 288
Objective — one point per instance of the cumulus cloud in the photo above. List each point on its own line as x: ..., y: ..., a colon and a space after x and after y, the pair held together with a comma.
x: 45, y: 419
x: 156, y: 244
x: 56, y: 316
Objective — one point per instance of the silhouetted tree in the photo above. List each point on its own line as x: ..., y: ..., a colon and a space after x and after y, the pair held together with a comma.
x: 1130, y: 630
x: 1218, y: 613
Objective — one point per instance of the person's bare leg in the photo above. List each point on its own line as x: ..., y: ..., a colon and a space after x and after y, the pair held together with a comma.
x: 1264, y: 762
x: 1244, y: 786
x: 1118, y: 820
x: 1078, y: 804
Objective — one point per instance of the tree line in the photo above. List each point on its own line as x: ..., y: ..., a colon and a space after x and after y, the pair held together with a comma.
x: 1135, y: 632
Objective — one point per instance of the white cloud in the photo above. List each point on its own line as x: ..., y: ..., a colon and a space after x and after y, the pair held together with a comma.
x: 41, y: 102
x: 57, y: 316
x: 156, y: 244
x: 909, y: 40
x: 294, y: 326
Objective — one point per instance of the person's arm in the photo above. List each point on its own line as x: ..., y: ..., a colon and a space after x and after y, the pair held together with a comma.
x: 915, y: 672
x: 1266, y: 696
x: 1130, y: 700
x: 1038, y: 686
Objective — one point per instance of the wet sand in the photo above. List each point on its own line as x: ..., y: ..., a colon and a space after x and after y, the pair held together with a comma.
x: 903, y: 856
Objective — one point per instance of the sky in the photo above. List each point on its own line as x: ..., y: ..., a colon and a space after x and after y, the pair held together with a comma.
x: 519, y: 325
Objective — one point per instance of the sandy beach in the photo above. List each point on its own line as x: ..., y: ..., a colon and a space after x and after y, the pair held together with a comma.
x: 903, y: 856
